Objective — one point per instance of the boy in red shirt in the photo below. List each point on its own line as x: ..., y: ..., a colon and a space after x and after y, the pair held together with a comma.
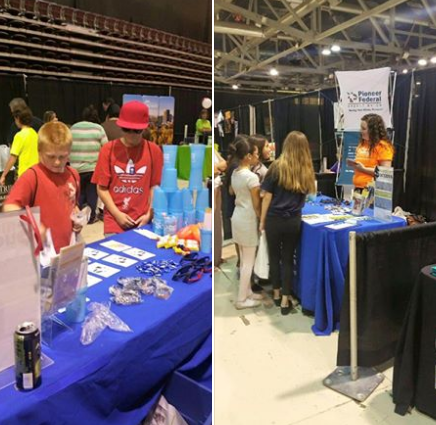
x: 50, y: 184
x: 127, y: 170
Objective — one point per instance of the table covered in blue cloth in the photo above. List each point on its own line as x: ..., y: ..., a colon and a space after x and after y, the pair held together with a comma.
x: 322, y: 263
x: 117, y: 379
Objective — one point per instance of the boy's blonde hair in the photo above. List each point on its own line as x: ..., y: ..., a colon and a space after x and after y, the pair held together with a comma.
x: 54, y: 135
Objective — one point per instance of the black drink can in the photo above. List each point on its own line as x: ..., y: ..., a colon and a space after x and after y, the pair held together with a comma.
x: 27, y: 343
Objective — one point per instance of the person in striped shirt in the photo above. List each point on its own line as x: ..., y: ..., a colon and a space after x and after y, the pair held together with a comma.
x: 88, y: 138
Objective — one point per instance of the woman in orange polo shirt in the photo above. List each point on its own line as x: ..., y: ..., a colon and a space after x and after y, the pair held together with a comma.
x: 374, y: 149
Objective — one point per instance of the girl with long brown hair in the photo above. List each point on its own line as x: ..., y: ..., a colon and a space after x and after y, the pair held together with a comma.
x: 289, y: 179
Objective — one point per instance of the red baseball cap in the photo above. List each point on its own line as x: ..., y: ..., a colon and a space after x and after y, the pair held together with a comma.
x: 134, y: 115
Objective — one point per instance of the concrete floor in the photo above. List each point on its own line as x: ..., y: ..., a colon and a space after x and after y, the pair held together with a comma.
x: 268, y: 369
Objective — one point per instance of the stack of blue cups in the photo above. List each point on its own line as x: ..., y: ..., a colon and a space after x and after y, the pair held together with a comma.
x: 169, y: 155
x: 169, y: 180
x: 160, y: 208
x: 175, y: 207
x: 201, y: 204
x: 197, y: 161
x: 188, y: 208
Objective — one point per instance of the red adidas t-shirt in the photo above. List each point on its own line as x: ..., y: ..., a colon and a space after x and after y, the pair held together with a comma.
x: 129, y: 173
x: 55, y: 193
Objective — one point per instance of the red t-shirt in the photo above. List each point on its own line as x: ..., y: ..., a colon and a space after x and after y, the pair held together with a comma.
x: 55, y: 193
x: 129, y: 173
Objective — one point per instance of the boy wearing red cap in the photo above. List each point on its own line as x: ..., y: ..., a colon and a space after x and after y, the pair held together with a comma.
x: 127, y: 170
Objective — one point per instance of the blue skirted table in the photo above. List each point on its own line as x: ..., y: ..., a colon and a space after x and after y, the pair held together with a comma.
x: 118, y: 378
x: 322, y: 263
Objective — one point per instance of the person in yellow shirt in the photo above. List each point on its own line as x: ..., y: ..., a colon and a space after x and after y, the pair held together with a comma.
x: 25, y: 145
x: 374, y: 149
x: 203, y: 124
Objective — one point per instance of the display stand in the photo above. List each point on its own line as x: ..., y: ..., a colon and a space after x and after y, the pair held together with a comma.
x: 354, y: 381
x: 60, y: 285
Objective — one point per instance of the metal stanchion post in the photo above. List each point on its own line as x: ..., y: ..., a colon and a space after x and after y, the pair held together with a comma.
x: 353, y: 381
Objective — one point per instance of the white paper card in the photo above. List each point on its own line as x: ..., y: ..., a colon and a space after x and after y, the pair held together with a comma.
x: 115, y: 246
x: 140, y: 254
x: 95, y: 253
x: 92, y: 280
x: 339, y: 226
x: 102, y: 270
x: 120, y: 260
x: 147, y: 233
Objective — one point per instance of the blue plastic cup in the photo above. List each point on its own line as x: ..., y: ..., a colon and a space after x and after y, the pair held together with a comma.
x: 202, y: 200
x: 199, y: 215
x: 175, y: 204
x: 197, y: 156
x: 170, y: 155
x: 76, y: 310
x: 158, y: 223
x: 196, y: 179
x: 169, y: 180
x: 188, y: 202
x: 160, y: 201
x: 189, y: 217
x: 206, y: 241
x: 179, y: 217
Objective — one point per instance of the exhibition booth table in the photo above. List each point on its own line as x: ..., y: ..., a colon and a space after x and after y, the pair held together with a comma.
x: 183, y: 162
x: 322, y: 261
x: 118, y: 378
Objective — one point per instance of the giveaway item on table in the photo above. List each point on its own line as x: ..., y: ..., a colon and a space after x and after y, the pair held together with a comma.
x: 95, y: 254
x: 125, y: 295
x: 115, y: 246
x: 129, y: 289
x: 140, y: 254
x: 358, y: 204
x: 192, y: 268
x: 157, y: 267
x: 102, y: 269
x: 119, y: 260
x: 147, y: 233
x: 99, y: 318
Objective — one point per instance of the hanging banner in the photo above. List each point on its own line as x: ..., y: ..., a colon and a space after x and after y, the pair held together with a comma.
x: 384, y: 187
x: 161, y: 109
x: 349, y: 144
x: 364, y: 92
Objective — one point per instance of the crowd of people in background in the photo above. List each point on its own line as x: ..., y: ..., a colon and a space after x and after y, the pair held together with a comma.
x: 265, y: 197
x: 64, y: 168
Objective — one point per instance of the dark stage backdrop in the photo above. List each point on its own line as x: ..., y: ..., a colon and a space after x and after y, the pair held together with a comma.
x: 68, y: 98
x: 187, y: 18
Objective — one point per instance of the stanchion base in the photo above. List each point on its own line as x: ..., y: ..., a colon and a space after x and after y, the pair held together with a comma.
x: 367, y: 381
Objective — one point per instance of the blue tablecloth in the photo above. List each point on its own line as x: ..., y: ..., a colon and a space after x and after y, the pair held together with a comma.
x: 322, y: 262
x: 118, y: 378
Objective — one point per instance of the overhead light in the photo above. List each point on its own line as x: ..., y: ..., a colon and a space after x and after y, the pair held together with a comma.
x: 335, y: 48
x: 326, y: 52
x: 433, y: 59
x: 405, y: 71
x: 273, y: 72
x: 235, y: 87
x: 418, y: 83
x: 422, y: 62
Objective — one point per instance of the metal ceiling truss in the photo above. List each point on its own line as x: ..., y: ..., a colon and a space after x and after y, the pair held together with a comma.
x: 253, y: 36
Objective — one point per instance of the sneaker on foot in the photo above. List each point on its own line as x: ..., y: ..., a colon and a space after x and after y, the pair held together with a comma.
x: 248, y: 303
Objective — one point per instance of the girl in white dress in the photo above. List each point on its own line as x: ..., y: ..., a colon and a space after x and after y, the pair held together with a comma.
x: 245, y: 185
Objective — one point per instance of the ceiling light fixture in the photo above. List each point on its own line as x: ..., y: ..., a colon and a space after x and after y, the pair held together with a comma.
x: 274, y: 72
x: 433, y: 59
x: 405, y: 71
x: 235, y: 87
x: 335, y: 48
x: 422, y: 62
x: 326, y: 52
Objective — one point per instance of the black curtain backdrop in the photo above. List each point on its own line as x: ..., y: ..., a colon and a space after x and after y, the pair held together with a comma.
x: 388, y: 264
x: 11, y: 86
x: 68, y: 98
x: 297, y: 113
x: 421, y: 169
x: 243, y: 117
x: 260, y: 117
x: 328, y: 97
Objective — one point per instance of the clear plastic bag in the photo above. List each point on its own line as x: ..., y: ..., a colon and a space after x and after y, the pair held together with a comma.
x: 100, y: 317
x: 163, y: 291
